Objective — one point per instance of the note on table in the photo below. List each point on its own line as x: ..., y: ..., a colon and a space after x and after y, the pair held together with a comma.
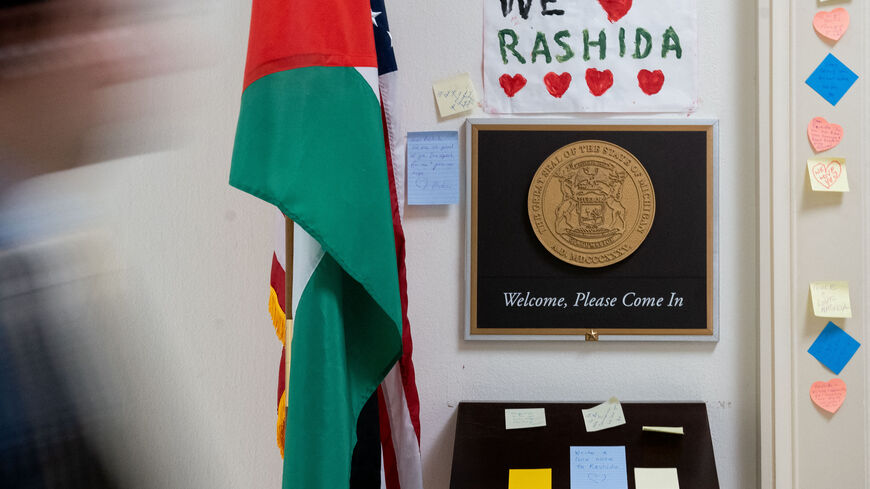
x: 828, y: 395
x: 530, y: 478
x: 656, y: 478
x: 832, y: 79
x: 433, y: 168
x: 834, y: 348
x: 673, y: 430
x: 598, y: 468
x: 454, y: 95
x: 524, y: 418
x: 605, y: 415
x: 831, y: 299
x: 828, y: 174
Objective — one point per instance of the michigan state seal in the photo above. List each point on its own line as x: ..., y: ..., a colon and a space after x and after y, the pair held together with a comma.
x: 591, y: 203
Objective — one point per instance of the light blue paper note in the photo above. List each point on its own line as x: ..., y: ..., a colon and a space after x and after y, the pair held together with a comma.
x: 433, y: 168
x: 598, y: 468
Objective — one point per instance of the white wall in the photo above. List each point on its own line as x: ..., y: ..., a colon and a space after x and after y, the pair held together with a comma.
x: 198, y: 351
x: 436, y: 40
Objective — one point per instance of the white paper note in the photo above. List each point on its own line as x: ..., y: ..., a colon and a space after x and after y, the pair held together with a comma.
x: 524, y: 418
x: 656, y: 478
x: 603, y: 416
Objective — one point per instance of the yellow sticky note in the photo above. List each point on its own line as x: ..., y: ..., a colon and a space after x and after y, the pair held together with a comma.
x: 673, y: 430
x: 656, y: 478
x: 831, y: 299
x: 530, y: 479
x: 828, y: 174
x: 455, y: 95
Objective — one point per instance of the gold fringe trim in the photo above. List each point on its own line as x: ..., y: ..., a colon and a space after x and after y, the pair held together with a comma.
x: 279, y: 318
x: 282, y: 421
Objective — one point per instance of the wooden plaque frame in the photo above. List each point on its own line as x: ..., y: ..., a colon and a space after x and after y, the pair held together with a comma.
x: 709, y: 331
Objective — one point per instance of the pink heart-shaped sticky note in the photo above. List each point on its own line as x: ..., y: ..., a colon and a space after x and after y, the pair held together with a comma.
x: 832, y: 24
x: 828, y: 395
x: 823, y: 134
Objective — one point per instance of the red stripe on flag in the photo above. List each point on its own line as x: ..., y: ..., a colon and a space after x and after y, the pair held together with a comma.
x: 406, y: 364
x: 278, y: 281
x: 286, y: 35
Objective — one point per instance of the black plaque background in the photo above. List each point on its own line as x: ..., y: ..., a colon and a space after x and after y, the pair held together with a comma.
x: 673, y: 258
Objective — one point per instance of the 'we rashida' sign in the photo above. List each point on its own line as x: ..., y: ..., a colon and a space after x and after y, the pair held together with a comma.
x: 590, y: 56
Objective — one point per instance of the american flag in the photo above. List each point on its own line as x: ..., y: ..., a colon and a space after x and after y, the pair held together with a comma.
x: 398, y: 401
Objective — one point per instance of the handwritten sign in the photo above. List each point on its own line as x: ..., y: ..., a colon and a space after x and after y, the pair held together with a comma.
x: 530, y: 478
x: 823, y: 134
x: 828, y: 395
x: 828, y: 174
x: 656, y: 478
x: 455, y: 95
x: 832, y: 79
x: 603, y: 416
x: 671, y: 430
x: 433, y: 168
x: 834, y: 348
x: 588, y: 56
x: 524, y: 418
x: 598, y: 468
x: 833, y: 24
x: 831, y: 299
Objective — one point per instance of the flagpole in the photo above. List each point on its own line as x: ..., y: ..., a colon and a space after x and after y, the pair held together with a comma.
x: 288, y: 300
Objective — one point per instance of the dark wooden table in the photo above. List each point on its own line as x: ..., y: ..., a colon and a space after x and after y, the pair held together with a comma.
x: 484, y: 451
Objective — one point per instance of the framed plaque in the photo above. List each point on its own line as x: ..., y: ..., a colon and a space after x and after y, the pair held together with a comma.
x: 595, y: 230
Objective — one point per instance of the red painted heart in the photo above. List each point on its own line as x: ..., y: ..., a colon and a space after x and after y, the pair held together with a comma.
x: 599, y: 81
x: 557, y: 84
x: 828, y: 174
x: 512, y: 84
x: 616, y: 9
x: 650, y: 81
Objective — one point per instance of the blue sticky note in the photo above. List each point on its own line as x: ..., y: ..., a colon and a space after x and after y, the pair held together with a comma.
x: 834, y: 348
x: 433, y: 168
x: 832, y: 79
x: 598, y: 468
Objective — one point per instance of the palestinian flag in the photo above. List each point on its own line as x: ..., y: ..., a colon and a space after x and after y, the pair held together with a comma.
x: 310, y: 141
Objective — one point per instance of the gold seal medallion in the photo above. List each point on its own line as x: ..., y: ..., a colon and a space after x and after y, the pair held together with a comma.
x: 591, y: 203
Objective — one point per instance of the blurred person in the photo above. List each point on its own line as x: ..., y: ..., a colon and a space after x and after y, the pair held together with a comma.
x: 56, y: 58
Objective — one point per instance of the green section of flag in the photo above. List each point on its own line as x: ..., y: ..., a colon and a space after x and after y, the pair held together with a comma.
x: 310, y: 141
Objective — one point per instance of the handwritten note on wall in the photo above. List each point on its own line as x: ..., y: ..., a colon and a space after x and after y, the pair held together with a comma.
x: 824, y: 135
x: 433, y: 168
x: 832, y: 79
x: 455, y: 95
x: 524, y: 418
x: 603, y: 416
x: 598, y: 468
x: 828, y: 174
x: 834, y: 348
x: 831, y: 299
x: 829, y: 395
